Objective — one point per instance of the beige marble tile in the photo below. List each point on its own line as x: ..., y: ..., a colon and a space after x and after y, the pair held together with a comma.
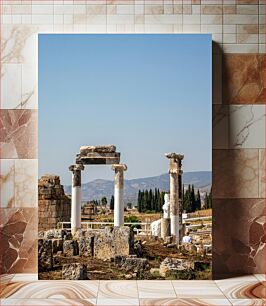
x: 156, y: 289
x: 197, y: 289
x: 26, y: 183
x: 7, y: 182
x: 18, y: 130
x: 117, y: 302
x: 247, y: 126
x: 29, y: 96
x: 10, y: 85
x: 240, y: 48
x: 183, y: 302
x: 51, y: 290
x: 118, y: 290
x: 243, y: 287
x: 262, y: 171
x: 25, y: 277
x: 5, y: 279
x: 248, y: 302
x: 236, y: 173
x: 260, y: 277
x: 49, y: 302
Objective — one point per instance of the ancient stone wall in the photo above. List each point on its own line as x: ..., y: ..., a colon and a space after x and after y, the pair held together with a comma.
x: 54, y: 205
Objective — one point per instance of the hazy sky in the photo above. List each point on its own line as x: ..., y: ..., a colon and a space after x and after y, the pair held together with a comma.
x: 146, y: 94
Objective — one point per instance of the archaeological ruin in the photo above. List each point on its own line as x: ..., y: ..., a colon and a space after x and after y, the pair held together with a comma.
x: 74, y: 247
x: 54, y: 205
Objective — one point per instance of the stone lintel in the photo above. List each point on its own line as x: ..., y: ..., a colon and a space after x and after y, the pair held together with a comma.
x: 97, y: 160
x: 99, y: 155
x: 119, y: 167
x: 77, y: 167
x: 84, y: 150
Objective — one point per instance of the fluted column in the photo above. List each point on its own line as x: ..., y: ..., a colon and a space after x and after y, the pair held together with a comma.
x: 175, y: 192
x: 119, y: 194
x: 76, y: 197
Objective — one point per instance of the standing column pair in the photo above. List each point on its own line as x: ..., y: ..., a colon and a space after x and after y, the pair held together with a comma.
x: 175, y: 192
x: 76, y: 197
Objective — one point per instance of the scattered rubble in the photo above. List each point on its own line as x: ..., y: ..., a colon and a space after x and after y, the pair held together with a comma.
x: 169, y: 265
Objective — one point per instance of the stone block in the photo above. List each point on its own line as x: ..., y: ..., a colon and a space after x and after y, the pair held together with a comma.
x: 57, y: 245
x: 86, y: 246
x: 70, y: 248
x: 74, y: 271
x: 110, y: 242
x: 45, y: 254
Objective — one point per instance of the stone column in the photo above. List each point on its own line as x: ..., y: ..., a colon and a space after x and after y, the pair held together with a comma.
x: 76, y: 197
x: 175, y: 192
x: 119, y: 194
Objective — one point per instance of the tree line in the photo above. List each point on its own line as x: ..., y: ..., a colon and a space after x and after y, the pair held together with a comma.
x: 150, y: 200
x: 153, y: 200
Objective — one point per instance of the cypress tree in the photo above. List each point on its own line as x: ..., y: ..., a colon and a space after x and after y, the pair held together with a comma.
x: 112, y: 203
x: 198, y: 201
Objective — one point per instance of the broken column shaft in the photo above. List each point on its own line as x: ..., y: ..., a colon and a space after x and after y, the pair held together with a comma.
x: 76, y: 197
x: 175, y: 192
x: 119, y: 194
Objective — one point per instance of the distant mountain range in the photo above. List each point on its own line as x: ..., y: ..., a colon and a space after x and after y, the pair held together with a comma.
x: 99, y: 188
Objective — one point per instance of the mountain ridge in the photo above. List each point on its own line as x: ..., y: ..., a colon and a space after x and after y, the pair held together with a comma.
x: 98, y: 188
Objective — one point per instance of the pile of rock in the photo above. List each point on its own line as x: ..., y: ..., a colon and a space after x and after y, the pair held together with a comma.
x: 132, y: 265
x: 172, y: 265
x: 102, y: 244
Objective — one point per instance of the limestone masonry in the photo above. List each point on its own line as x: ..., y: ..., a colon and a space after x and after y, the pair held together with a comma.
x: 54, y: 205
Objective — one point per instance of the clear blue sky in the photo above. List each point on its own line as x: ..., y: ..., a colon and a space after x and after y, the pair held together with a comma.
x: 146, y: 94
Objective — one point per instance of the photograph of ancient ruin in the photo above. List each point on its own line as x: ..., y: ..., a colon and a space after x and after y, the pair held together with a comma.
x: 124, y: 189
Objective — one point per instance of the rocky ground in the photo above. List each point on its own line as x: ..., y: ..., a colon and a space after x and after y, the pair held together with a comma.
x: 153, y: 253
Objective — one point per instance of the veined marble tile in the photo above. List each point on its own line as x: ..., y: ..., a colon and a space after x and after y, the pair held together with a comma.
x: 117, y: 302
x: 197, y: 289
x: 238, y: 243
x: 242, y: 290
x: 236, y: 173
x: 241, y: 49
x: 118, y: 290
x: 29, y: 86
x: 25, y: 277
x: 26, y: 183
x: 18, y: 231
x: 10, y: 85
x: 247, y: 126
x: 156, y: 289
x: 19, y: 44
x: 260, y: 277
x: 183, y: 302
x: 18, y: 129
x: 248, y: 302
x: 262, y: 174
x: 7, y: 182
x: 51, y: 290
x: 220, y: 126
x: 243, y: 79
x: 49, y: 302
x: 4, y: 280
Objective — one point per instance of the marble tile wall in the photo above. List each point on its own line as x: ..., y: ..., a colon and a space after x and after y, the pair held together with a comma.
x: 238, y: 33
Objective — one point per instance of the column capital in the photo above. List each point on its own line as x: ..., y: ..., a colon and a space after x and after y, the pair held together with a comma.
x: 119, y: 167
x: 175, y: 156
x: 78, y: 167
